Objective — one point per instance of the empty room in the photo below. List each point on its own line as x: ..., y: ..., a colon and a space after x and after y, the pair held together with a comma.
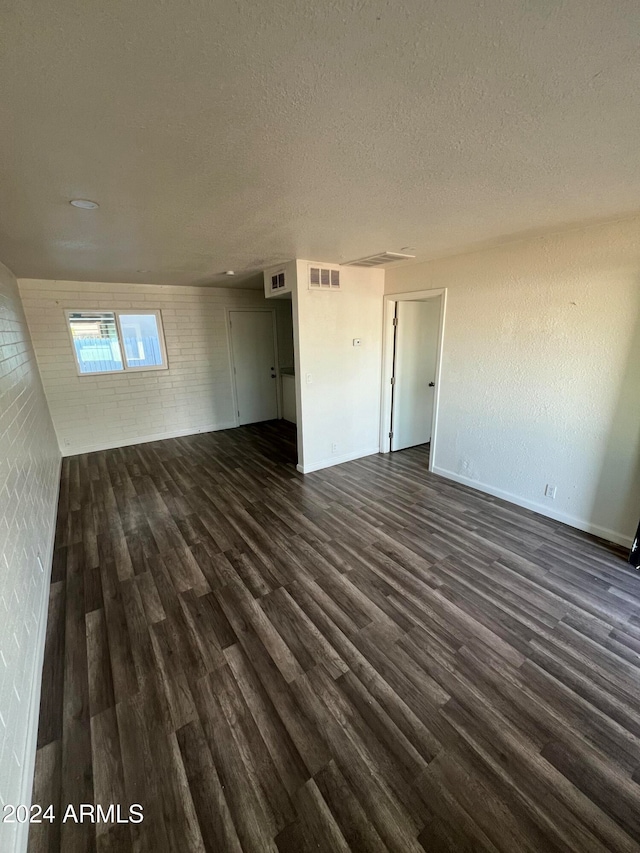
x: 319, y: 427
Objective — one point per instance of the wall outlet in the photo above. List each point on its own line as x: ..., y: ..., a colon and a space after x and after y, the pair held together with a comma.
x: 550, y: 491
x: 357, y: 342
x: 334, y: 447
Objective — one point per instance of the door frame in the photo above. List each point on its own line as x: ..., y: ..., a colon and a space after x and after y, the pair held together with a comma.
x: 232, y: 368
x: 389, y: 310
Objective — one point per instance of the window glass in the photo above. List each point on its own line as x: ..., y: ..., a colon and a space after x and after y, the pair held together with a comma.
x: 141, y: 339
x: 95, y: 340
x: 111, y: 341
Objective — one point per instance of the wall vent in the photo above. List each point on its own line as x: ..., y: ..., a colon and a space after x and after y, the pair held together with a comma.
x: 277, y: 281
x: 378, y: 260
x: 323, y: 278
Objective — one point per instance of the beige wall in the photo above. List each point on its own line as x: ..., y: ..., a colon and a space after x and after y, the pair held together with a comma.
x: 29, y: 477
x: 110, y: 410
x: 339, y: 410
x: 541, y: 372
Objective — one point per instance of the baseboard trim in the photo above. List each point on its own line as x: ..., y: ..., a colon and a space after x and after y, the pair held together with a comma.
x: 29, y: 755
x: 541, y: 509
x: 144, y: 439
x: 330, y: 461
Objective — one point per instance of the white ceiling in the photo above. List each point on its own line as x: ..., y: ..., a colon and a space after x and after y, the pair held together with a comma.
x: 221, y: 134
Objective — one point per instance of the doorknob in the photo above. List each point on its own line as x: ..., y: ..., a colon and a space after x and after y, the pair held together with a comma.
x: 432, y: 384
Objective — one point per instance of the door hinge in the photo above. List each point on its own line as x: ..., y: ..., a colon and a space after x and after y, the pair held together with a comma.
x: 393, y: 380
x: 395, y: 321
x: 390, y: 435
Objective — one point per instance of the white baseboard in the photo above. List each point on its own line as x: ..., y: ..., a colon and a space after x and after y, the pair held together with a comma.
x: 143, y: 439
x: 330, y: 461
x: 541, y: 509
x: 29, y: 755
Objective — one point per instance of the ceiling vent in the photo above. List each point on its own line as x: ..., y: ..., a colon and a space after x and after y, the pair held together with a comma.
x: 323, y: 278
x: 379, y: 259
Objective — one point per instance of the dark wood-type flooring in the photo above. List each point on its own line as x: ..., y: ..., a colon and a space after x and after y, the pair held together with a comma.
x: 366, y: 658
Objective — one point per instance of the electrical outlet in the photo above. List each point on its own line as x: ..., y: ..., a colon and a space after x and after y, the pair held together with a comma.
x: 334, y: 447
x: 357, y: 342
x: 550, y: 491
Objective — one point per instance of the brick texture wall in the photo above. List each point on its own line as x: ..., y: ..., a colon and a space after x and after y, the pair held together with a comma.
x: 195, y: 394
x: 29, y: 476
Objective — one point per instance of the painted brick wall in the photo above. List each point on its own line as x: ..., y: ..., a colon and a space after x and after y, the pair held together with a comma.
x: 94, y: 412
x: 29, y: 476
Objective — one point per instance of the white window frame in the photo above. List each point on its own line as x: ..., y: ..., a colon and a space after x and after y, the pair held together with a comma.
x: 125, y: 367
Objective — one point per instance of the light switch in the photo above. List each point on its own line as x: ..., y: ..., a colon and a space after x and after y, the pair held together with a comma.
x: 357, y: 342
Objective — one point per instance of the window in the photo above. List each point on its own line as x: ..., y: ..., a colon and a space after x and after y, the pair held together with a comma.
x: 111, y: 341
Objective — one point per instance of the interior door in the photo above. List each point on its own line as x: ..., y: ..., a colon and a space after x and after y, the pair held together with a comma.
x: 416, y: 348
x: 254, y: 363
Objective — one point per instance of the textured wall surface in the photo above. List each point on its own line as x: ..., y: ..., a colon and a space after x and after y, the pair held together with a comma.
x: 194, y: 394
x: 29, y: 467
x: 541, y: 375
x: 340, y: 406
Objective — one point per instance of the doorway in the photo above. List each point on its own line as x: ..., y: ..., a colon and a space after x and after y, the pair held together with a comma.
x: 254, y: 365
x: 413, y: 335
x: 414, y: 370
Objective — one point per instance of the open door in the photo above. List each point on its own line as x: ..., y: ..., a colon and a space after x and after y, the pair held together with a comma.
x: 417, y: 328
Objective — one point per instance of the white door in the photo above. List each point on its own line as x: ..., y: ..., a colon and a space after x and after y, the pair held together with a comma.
x: 254, y: 364
x: 416, y: 348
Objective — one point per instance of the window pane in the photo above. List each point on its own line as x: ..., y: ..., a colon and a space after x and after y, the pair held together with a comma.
x: 95, y: 339
x: 141, y: 339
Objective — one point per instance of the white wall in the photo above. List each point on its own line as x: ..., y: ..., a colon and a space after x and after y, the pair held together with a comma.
x: 111, y: 410
x: 341, y: 404
x: 29, y: 477
x: 541, y: 374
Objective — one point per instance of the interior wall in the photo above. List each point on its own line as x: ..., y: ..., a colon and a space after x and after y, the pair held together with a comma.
x: 540, y: 373
x: 339, y: 408
x: 29, y: 477
x: 111, y: 410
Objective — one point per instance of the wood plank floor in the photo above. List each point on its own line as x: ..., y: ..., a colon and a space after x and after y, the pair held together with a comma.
x: 367, y: 658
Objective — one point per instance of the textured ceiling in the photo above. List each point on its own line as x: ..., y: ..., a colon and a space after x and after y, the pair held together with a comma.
x: 232, y: 135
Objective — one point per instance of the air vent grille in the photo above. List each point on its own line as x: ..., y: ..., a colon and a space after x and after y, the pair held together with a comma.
x: 379, y: 260
x: 323, y: 278
x: 277, y: 281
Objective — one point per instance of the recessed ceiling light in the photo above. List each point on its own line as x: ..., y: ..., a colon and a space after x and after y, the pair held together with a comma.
x: 229, y: 272
x: 84, y: 203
